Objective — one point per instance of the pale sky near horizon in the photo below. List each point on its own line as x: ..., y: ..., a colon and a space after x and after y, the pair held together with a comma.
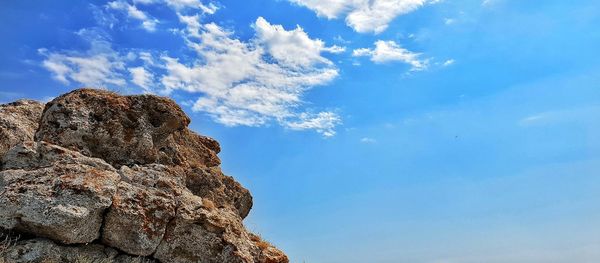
x: 384, y: 131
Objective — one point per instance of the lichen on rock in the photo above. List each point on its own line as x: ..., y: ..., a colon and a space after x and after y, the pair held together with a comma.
x: 115, y: 178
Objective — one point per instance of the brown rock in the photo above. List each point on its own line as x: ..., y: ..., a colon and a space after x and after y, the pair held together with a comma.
x: 204, y: 233
x: 18, y: 123
x: 122, y: 130
x: 211, y: 183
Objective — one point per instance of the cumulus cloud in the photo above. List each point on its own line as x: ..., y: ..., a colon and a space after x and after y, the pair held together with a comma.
x: 148, y: 23
x: 292, y: 48
x: 253, y: 83
x: 390, y: 51
x: 363, y: 15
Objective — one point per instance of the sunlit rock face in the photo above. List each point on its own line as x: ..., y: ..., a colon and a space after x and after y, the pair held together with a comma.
x: 114, y: 178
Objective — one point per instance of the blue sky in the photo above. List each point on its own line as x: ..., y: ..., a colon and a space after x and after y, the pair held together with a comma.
x: 449, y: 131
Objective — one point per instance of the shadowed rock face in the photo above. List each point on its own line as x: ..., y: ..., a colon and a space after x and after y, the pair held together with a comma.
x: 123, y: 173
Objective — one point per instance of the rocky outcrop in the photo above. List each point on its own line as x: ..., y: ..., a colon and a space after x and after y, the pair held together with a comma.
x: 115, y: 178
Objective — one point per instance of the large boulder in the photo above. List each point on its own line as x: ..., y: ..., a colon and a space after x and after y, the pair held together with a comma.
x: 50, y: 191
x: 18, y: 123
x: 108, y: 174
x: 124, y: 130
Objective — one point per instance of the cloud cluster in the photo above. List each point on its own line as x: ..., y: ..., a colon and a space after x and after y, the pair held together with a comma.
x: 253, y: 83
x: 363, y: 16
x: 390, y: 51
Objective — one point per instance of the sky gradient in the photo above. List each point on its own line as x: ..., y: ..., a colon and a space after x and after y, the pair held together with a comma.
x: 387, y: 131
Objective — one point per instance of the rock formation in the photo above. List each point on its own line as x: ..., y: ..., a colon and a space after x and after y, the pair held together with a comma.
x: 115, y: 178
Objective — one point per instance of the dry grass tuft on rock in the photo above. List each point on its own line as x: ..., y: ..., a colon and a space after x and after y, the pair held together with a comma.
x: 7, y: 240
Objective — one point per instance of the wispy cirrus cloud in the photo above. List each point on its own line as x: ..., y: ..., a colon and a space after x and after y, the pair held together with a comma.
x: 100, y: 66
x: 142, y: 77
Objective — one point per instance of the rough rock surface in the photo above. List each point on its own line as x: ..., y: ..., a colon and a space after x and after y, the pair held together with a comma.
x: 52, y: 192
x: 124, y: 174
x: 18, y: 122
x: 44, y: 250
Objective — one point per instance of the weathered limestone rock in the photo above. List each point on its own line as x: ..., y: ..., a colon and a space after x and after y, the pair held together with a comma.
x: 52, y: 192
x: 18, y: 123
x: 41, y: 250
x: 202, y: 232
x: 137, y: 220
x: 124, y: 130
x: 211, y: 183
x: 125, y: 174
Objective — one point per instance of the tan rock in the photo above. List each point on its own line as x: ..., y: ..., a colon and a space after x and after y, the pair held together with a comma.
x: 202, y: 232
x: 41, y: 250
x: 123, y: 130
x: 211, y: 183
x: 137, y: 219
x: 52, y: 192
x: 18, y: 123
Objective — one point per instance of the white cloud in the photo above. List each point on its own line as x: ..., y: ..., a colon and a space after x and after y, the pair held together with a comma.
x: 340, y: 39
x: 253, y: 83
x: 335, y: 49
x: 390, y: 51
x: 148, y: 23
x: 141, y: 77
x: 488, y: 2
x: 448, y: 62
x: 179, y: 5
x: 292, y: 48
x: 575, y: 115
x: 98, y: 67
x: 146, y: 57
x: 193, y: 4
x: 145, y: 2
x: 368, y: 140
x: 363, y: 15
x: 323, y: 122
